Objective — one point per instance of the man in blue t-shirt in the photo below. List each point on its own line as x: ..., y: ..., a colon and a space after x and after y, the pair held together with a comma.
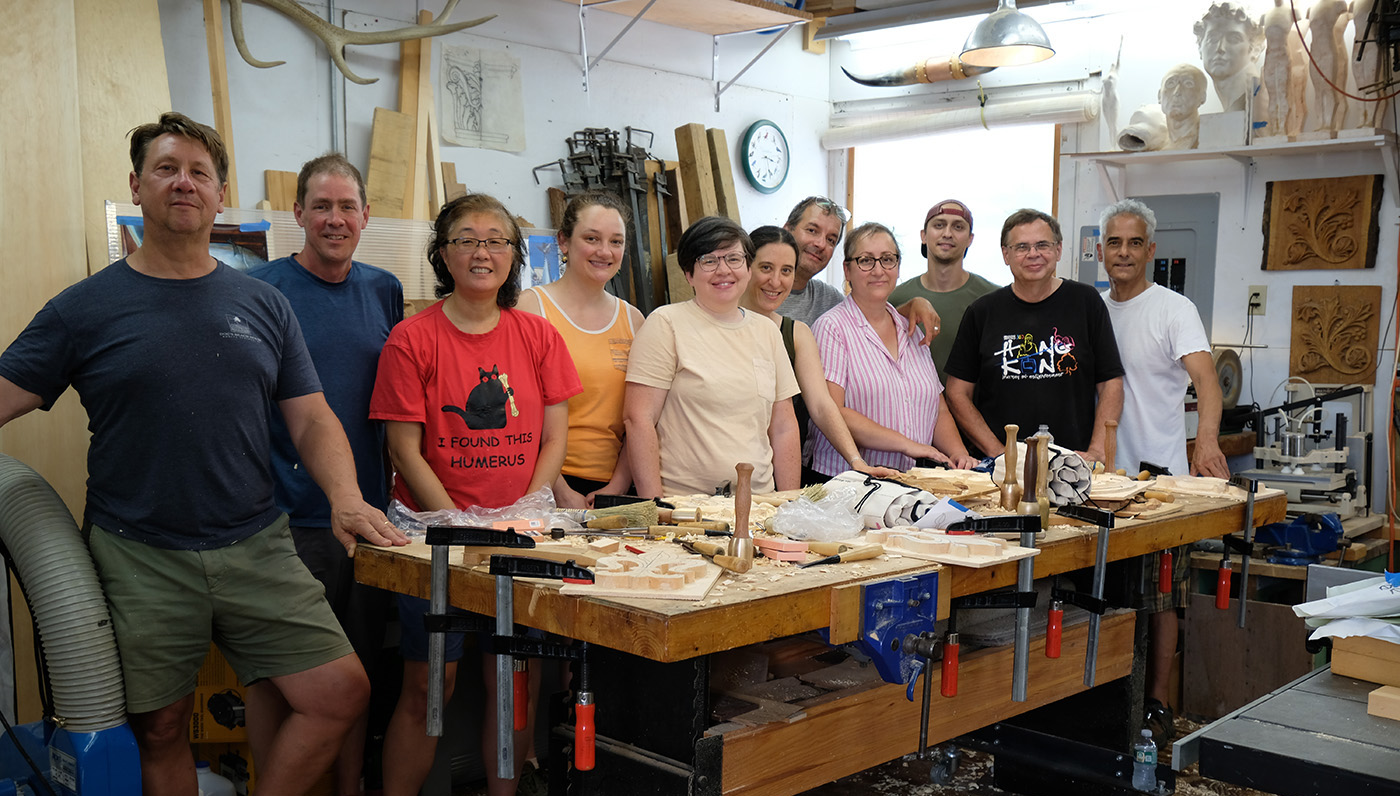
x: 346, y: 309
x: 178, y: 360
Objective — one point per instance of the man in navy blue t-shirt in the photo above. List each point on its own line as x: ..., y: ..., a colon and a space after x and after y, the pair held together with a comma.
x: 179, y: 360
x: 346, y: 309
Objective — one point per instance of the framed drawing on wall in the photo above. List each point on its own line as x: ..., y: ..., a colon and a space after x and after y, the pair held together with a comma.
x: 1328, y: 223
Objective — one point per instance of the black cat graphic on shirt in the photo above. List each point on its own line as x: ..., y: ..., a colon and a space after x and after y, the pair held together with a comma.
x: 486, y: 404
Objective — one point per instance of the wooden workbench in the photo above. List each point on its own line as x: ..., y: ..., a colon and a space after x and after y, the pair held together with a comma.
x: 776, y: 600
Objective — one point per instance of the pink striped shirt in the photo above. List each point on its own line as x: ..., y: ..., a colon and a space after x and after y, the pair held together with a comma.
x: 901, y: 394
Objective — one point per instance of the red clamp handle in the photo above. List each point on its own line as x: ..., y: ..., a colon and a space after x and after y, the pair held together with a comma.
x: 521, y: 684
x: 585, y: 731
x: 1164, y: 573
x: 1222, y: 585
x: 1053, y: 627
x: 948, y: 686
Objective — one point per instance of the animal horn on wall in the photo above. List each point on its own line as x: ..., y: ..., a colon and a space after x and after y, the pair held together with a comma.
x: 932, y: 70
x: 336, y: 38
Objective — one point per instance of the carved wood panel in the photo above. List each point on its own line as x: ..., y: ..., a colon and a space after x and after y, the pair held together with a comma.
x: 1321, y: 224
x: 1335, y: 333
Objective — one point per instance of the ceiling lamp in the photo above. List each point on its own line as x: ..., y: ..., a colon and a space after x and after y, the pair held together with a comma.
x: 1006, y: 38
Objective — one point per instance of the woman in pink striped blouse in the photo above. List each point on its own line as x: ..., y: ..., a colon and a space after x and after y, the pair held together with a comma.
x: 883, y: 380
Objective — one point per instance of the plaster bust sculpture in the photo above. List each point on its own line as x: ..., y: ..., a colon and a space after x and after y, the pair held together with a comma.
x: 1230, y: 42
x: 1181, y: 96
x: 1175, y: 121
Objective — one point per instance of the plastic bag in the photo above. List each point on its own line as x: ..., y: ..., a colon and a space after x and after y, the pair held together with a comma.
x: 827, y: 520
x: 535, y: 505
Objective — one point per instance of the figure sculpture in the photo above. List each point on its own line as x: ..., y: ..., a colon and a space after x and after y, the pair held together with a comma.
x: 1282, y: 79
x: 1327, y: 20
x: 1230, y: 42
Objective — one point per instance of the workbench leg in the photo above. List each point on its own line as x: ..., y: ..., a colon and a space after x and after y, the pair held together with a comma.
x: 651, y: 721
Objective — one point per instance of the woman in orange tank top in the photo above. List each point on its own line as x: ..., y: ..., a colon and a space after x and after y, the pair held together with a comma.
x: 597, y: 328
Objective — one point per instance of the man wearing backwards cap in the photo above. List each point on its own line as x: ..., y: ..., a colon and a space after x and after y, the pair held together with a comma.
x: 946, y: 285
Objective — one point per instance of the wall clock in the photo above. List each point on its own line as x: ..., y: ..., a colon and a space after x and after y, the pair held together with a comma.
x: 766, y: 157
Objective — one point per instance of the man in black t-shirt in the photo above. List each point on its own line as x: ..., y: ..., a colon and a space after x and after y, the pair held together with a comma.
x: 1038, y: 351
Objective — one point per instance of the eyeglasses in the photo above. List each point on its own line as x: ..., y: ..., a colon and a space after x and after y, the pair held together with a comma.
x: 709, y: 262
x: 493, y: 245
x: 867, y: 263
x: 1041, y: 247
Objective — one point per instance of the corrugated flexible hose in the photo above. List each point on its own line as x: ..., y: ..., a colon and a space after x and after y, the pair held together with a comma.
x: 65, y: 598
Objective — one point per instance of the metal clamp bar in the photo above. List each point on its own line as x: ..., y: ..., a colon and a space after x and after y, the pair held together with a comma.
x: 477, y: 537
x: 1091, y: 651
x: 437, y: 643
x: 1003, y: 523
x: 1249, y: 485
x: 505, y: 679
x: 1025, y: 582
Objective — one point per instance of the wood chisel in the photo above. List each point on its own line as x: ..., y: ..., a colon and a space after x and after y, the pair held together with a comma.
x: 865, y: 551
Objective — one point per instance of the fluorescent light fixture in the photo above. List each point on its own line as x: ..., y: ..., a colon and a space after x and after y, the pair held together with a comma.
x: 1006, y: 38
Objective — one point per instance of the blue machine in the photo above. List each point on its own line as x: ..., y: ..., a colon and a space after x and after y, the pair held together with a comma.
x: 102, y: 763
x: 1303, y: 541
x: 84, y: 747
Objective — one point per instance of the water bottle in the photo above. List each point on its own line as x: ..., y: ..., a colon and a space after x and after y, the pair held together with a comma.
x: 211, y: 784
x: 1145, y: 763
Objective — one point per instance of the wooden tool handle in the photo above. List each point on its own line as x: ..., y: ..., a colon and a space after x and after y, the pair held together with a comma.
x: 1028, y: 502
x: 743, y: 498
x: 1009, y: 474
x: 1110, y: 444
x: 862, y: 553
x: 1042, y: 470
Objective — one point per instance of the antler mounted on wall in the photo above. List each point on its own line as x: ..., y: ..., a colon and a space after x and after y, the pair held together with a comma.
x: 336, y: 38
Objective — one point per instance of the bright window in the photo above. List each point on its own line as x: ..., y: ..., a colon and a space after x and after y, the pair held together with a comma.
x: 994, y: 172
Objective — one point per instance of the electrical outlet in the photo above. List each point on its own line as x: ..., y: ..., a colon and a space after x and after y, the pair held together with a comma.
x: 1258, y: 299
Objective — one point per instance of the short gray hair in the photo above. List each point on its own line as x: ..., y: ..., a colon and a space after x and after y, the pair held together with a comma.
x: 1129, y: 207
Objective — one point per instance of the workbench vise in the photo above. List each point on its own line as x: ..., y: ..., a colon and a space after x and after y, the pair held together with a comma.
x: 890, y: 610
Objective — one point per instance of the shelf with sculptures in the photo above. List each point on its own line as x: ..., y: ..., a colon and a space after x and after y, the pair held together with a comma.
x: 1259, y: 68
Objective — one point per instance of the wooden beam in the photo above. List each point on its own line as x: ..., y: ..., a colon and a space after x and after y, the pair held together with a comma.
x: 218, y: 85
x: 42, y: 226
x: 281, y: 189
x: 390, y: 153
x: 422, y: 169
x: 697, y: 175
x: 451, y: 188
x: 723, y: 171
x: 437, y: 191
x: 415, y: 178
x: 809, y: 33
x: 122, y: 83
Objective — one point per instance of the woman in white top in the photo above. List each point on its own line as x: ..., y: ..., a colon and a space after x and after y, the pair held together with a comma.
x: 597, y: 328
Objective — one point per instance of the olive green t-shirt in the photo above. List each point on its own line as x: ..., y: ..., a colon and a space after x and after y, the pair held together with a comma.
x: 950, y: 307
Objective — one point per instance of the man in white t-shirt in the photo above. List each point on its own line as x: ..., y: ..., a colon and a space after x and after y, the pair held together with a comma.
x: 1163, y: 346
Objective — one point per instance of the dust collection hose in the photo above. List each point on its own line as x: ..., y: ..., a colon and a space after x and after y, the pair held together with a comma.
x: 66, y: 599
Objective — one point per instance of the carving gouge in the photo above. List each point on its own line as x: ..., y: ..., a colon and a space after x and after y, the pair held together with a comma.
x: 861, y: 553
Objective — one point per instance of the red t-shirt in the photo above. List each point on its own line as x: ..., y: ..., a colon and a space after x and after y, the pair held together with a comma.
x: 480, y: 398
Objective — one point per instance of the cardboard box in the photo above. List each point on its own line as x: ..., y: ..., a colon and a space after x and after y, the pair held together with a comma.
x: 218, y: 703
x: 1366, y: 658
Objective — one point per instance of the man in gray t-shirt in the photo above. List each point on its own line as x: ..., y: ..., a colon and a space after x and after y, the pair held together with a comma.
x: 818, y: 224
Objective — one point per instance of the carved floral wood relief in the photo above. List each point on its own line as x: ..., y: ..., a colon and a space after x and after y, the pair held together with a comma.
x: 1335, y: 333
x: 1324, y: 223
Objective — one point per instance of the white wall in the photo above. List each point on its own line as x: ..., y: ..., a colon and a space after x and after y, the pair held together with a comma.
x: 656, y: 78
x: 1153, y: 42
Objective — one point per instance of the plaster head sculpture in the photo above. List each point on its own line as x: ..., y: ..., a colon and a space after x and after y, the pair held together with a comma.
x: 1230, y: 42
x: 1173, y: 123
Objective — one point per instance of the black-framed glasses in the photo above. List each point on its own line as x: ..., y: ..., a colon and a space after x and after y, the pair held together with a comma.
x: 709, y: 262
x: 493, y: 245
x: 867, y: 263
